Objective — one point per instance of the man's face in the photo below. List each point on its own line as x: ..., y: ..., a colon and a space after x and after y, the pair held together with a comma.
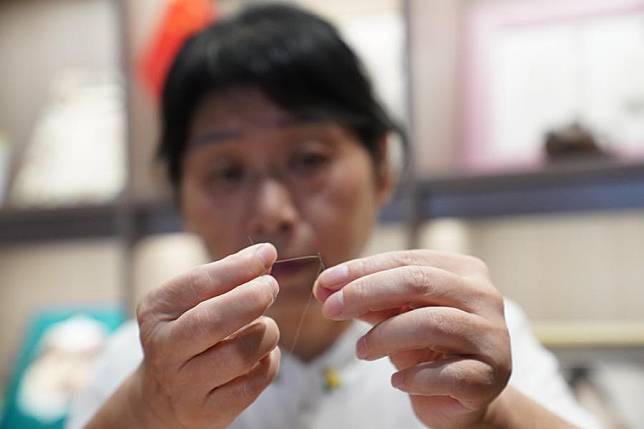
x: 252, y: 174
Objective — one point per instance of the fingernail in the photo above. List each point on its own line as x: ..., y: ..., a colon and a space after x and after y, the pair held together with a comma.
x: 272, y: 283
x: 397, y: 380
x: 334, y: 276
x: 322, y: 293
x: 361, y: 348
x: 265, y: 252
x: 334, y: 305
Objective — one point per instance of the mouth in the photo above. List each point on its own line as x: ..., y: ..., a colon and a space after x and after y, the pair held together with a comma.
x: 289, y: 268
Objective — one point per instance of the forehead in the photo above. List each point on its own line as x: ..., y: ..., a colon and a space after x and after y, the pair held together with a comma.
x: 248, y: 115
x: 236, y: 109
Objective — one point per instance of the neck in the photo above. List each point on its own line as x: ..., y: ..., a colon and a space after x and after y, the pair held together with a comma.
x: 316, y: 333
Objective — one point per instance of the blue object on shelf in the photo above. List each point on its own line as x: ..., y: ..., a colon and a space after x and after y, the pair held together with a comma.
x: 17, y: 414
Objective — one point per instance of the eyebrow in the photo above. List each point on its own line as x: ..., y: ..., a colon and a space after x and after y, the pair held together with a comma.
x: 216, y: 137
x: 222, y: 135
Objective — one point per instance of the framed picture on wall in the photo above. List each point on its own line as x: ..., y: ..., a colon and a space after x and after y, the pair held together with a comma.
x: 531, y: 67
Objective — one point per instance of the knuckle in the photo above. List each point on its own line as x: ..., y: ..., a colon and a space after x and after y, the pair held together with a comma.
x: 198, y: 280
x: 358, y: 267
x: 418, y: 279
x: 487, y: 378
x: 503, y: 357
x: 438, y: 321
x: 490, y: 295
x: 485, y: 292
x: 205, y: 320
x: 497, y: 301
x: 144, y: 308
x: 407, y: 257
x: 354, y: 293
x: 472, y: 381
x: 149, y: 344
x: 477, y: 266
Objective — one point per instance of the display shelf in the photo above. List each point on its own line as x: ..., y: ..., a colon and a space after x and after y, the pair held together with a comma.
x: 565, y: 187
x: 584, y: 334
x: 69, y: 223
x: 101, y: 221
x: 86, y: 222
x: 592, y: 342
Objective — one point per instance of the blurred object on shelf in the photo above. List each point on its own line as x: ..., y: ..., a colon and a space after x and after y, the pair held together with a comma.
x: 5, y: 153
x: 533, y: 66
x: 77, y: 153
x: 58, y: 357
x: 67, y: 354
x: 180, y: 19
x: 572, y: 142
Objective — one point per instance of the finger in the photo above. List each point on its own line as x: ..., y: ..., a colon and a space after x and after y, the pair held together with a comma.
x: 207, y: 281
x: 441, y: 329
x: 211, y: 321
x: 376, y: 317
x: 409, y: 358
x: 228, y: 401
x: 408, y: 286
x: 467, y: 380
x: 232, y: 357
x: 335, y: 277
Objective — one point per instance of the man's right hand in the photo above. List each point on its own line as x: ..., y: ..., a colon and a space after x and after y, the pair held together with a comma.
x: 208, y: 350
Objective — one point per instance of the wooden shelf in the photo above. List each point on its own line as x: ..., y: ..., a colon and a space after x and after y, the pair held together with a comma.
x: 86, y: 222
x: 567, y: 187
x: 103, y: 221
x: 593, y: 342
x: 564, y: 188
x: 590, y: 334
x: 24, y: 226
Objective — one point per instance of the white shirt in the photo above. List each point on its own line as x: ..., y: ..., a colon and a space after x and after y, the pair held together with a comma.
x: 298, y: 398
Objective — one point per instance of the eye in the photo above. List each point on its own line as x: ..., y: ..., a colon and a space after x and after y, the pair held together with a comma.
x: 309, y: 160
x: 229, y: 174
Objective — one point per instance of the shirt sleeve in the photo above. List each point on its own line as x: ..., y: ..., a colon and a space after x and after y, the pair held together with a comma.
x: 536, y: 372
x: 120, y: 358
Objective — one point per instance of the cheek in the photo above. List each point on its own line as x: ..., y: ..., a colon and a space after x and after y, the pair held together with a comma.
x: 344, y: 213
x: 200, y: 217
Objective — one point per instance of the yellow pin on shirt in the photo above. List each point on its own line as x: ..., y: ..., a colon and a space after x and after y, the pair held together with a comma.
x: 332, y: 380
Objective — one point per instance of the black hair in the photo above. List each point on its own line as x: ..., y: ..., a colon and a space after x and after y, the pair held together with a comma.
x: 293, y: 57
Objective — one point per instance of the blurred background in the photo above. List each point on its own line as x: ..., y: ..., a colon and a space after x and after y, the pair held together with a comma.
x: 527, y: 124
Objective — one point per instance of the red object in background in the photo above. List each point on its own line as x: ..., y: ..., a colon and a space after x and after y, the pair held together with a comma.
x: 181, y: 19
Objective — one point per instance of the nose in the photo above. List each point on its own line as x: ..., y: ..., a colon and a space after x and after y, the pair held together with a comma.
x: 273, y: 214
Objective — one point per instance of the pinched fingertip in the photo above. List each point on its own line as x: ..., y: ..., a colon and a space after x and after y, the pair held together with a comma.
x: 266, y: 252
x: 321, y: 293
x: 334, y: 277
x: 397, y: 380
x: 333, y: 307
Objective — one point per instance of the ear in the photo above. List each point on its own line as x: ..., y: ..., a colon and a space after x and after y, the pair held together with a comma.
x: 384, y: 172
